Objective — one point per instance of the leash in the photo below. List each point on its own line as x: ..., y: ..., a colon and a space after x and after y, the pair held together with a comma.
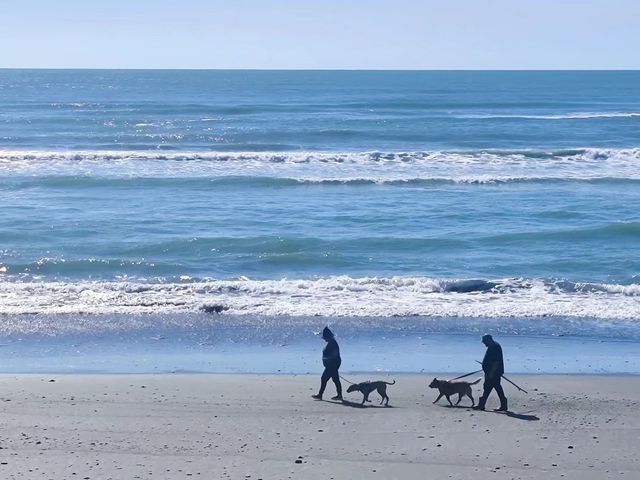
x: 521, y: 389
x: 346, y: 380
x: 465, y: 375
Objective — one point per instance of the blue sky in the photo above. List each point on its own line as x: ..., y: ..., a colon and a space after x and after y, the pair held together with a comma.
x: 344, y: 34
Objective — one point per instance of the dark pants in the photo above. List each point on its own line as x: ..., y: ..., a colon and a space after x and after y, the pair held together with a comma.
x: 491, y: 384
x: 330, y: 372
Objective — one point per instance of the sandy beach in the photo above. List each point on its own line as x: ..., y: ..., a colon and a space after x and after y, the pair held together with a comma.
x: 268, y: 427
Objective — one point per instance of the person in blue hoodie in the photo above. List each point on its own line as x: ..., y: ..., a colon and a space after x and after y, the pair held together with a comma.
x: 331, y: 361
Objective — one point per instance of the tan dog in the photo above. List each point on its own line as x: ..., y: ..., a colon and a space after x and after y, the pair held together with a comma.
x: 447, y: 389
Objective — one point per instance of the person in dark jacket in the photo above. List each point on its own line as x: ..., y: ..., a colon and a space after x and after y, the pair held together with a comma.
x: 331, y: 361
x: 493, y: 368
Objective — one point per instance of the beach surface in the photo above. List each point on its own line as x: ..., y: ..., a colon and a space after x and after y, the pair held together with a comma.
x: 268, y: 427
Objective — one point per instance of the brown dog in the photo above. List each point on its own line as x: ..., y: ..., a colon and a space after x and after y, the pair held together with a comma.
x: 447, y: 389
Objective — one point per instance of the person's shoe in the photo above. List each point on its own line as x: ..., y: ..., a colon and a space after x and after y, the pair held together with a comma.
x: 317, y: 397
x: 503, y: 408
x: 337, y: 397
x: 477, y: 407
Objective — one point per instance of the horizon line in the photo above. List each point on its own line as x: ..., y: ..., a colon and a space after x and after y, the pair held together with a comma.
x: 334, y: 69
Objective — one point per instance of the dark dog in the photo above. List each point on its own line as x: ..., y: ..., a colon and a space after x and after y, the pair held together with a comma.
x: 447, y: 389
x: 367, y: 387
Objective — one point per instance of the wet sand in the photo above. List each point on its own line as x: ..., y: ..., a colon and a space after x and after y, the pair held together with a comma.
x: 267, y: 427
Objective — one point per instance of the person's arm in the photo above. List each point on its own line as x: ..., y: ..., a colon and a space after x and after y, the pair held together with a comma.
x: 332, y: 352
x: 493, y: 370
x: 494, y: 363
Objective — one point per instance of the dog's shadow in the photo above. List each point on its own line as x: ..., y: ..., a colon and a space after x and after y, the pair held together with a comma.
x: 347, y: 403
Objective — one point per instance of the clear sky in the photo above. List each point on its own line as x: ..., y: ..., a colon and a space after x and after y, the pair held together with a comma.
x: 344, y: 34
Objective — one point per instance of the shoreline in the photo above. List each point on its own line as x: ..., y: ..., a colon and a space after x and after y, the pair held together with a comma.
x: 267, y: 426
x: 281, y: 349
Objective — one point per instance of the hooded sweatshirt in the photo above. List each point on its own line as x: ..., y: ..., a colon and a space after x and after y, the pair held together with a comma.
x: 331, y: 352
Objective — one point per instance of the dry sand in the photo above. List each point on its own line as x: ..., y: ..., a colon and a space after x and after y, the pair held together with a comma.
x: 268, y: 427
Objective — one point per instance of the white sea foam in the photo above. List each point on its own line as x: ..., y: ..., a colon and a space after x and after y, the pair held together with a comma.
x: 462, y: 167
x: 331, y: 296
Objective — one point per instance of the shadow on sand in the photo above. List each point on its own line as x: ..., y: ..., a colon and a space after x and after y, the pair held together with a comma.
x: 347, y: 403
x: 519, y: 416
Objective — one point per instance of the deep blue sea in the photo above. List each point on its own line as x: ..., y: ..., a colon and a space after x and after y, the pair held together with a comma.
x: 403, y: 203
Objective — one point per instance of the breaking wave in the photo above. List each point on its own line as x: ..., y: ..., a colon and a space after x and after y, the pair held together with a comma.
x: 336, y: 296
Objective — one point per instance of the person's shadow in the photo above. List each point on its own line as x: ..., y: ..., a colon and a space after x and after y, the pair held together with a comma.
x: 520, y: 416
x: 509, y: 413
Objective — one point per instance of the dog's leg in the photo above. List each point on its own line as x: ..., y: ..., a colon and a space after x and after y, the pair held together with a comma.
x: 459, y: 398
x: 382, y: 391
x: 439, y: 397
x: 449, y: 400
x: 473, y: 402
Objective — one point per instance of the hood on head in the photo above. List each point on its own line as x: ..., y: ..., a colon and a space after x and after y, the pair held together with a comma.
x: 327, y: 334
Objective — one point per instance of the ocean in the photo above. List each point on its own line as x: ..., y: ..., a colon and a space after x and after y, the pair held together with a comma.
x: 216, y: 220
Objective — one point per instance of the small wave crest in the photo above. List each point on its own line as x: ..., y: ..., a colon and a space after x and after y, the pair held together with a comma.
x: 560, y: 116
x: 401, y: 168
x: 74, y: 182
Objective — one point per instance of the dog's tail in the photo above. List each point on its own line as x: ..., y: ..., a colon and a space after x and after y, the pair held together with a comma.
x: 392, y: 383
x: 473, y: 383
